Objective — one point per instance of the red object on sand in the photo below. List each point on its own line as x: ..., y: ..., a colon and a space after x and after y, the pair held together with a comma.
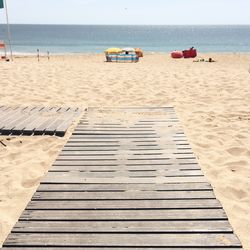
x: 177, y: 54
x: 191, y: 53
x: 2, y: 45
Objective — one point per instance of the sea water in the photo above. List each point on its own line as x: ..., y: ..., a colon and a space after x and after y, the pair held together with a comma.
x: 97, y: 38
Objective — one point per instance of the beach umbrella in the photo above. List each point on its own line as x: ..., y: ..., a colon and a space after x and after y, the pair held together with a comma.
x: 113, y: 51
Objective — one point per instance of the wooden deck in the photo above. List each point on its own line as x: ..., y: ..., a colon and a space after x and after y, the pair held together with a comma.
x: 126, y: 179
x: 36, y: 120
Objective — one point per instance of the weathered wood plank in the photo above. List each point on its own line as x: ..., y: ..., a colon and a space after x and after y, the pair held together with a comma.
x: 135, y: 158
x: 126, y: 135
x: 128, y: 195
x: 124, y: 187
x: 18, y: 129
x: 71, y: 177
x: 50, y: 128
x: 128, y: 240
x: 113, y: 161
x: 125, y: 215
x: 121, y: 137
x: 134, y: 174
x: 83, y: 128
x: 191, y: 226
x: 134, y: 109
x: 10, y: 115
x: 12, y: 126
x: 46, y: 121
x: 6, y: 111
x: 123, y: 204
x: 29, y: 128
x: 130, y: 154
x: 122, y: 149
x: 103, y: 168
x: 134, y: 143
x: 123, y: 248
x: 61, y: 129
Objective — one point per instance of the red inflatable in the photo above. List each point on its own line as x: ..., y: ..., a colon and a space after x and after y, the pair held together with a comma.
x: 177, y: 54
x: 191, y: 53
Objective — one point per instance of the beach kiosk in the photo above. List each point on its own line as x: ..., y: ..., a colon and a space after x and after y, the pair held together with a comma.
x: 121, y: 55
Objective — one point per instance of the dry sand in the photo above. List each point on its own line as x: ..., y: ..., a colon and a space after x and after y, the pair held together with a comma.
x: 212, y: 101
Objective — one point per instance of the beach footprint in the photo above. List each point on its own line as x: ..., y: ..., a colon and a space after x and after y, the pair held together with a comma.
x: 236, y: 151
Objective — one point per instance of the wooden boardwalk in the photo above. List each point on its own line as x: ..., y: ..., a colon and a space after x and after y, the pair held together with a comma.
x: 36, y: 120
x: 126, y: 179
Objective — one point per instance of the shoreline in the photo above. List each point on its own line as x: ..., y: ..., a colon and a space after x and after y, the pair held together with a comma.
x: 146, y: 53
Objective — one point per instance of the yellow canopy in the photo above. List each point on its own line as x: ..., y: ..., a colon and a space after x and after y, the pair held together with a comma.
x: 113, y: 51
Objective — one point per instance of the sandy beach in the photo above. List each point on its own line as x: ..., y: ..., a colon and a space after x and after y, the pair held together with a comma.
x: 212, y: 101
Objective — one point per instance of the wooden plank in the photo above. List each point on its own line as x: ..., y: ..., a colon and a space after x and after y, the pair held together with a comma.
x: 128, y: 134
x: 83, y: 128
x: 82, y: 156
x: 94, y: 140
x: 131, y: 154
x: 137, y: 158
x: 128, y: 195
x: 87, y: 147
x: 124, y: 187
x: 51, y: 127
x: 135, y: 143
x: 5, y: 111
x: 71, y: 177
x: 18, y: 124
x: 29, y: 119
x: 191, y: 226
x: 62, y: 114
x: 10, y: 115
x: 124, y: 215
x: 134, y: 109
x: 62, y: 128
x: 135, y: 136
x: 36, y: 120
x: 125, y: 135
x: 122, y: 164
x: 46, y: 121
x: 112, y: 161
x: 133, y: 174
x: 128, y: 240
x: 123, y: 248
x: 123, y: 204
x: 29, y: 129
x: 103, y: 168
x: 123, y: 149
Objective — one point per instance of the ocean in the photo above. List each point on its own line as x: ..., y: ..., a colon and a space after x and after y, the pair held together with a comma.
x: 96, y: 38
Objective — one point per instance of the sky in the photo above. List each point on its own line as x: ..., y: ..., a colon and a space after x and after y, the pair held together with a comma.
x: 154, y: 12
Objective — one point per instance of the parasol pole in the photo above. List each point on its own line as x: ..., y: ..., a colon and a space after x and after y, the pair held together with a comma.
x: 8, y: 29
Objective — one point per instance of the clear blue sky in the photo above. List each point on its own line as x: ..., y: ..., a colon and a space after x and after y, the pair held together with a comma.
x: 128, y: 11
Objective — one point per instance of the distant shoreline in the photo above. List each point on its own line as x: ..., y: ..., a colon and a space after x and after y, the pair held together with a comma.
x: 146, y: 53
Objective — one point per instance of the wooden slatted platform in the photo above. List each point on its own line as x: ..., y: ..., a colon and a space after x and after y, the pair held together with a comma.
x: 36, y: 120
x: 126, y: 179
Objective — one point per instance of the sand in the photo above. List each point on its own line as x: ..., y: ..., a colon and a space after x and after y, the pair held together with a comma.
x: 212, y: 101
